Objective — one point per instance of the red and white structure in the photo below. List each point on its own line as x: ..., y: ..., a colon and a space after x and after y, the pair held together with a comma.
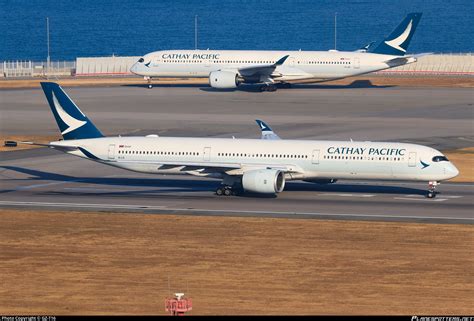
x: 178, y: 305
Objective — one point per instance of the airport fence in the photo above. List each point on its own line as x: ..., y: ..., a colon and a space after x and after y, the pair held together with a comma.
x: 438, y: 64
x: 14, y: 69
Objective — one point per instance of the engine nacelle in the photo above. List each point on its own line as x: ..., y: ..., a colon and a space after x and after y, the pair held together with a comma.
x: 223, y: 79
x: 265, y: 181
x: 321, y: 181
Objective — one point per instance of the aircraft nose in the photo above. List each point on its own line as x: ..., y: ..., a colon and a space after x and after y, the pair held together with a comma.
x: 451, y: 170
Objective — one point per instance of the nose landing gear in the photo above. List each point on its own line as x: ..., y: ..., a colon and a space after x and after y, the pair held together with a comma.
x: 432, y: 189
x: 148, y: 79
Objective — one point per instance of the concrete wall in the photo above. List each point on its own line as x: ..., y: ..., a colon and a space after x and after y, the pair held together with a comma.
x: 447, y: 64
x: 104, y: 66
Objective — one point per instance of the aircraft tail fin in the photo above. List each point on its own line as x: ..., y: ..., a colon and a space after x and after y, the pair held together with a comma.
x: 267, y: 132
x: 72, y: 123
x: 397, y: 43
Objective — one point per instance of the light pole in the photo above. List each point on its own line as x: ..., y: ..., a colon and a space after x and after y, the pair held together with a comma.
x: 195, y: 32
x: 48, y: 59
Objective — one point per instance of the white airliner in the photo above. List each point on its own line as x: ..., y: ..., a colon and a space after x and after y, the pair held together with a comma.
x: 246, y: 165
x: 230, y: 68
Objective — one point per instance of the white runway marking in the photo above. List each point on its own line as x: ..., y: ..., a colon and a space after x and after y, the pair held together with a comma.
x: 184, y: 210
x: 347, y: 195
x: 21, y: 188
x: 444, y: 196
x: 421, y: 199
x: 84, y: 205
x: 91, y: 189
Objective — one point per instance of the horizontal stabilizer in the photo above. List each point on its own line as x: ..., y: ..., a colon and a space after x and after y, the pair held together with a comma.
x: 64, y: 148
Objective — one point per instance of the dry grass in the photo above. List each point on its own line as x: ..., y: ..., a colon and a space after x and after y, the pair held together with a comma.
x: 109, y: 263
x: 463, y: 159
x: 435, y: 81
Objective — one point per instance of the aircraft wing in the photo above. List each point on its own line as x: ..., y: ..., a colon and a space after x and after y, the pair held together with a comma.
x: 215, y: 167
x: 188, y: 166
x: 261, y: 70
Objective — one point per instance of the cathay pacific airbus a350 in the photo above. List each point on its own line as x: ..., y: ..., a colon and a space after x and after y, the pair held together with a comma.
x: 246, y: 165
x: 230, y: 68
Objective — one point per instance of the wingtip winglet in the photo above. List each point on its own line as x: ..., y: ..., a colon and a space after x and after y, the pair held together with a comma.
x: 282, y: 60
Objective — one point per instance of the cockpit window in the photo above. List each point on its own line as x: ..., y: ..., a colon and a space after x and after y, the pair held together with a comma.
x: 141, y: 60
x: 437, y: 159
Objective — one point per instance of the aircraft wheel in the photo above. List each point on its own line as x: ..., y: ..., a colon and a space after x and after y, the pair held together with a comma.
x: 150, y: 86
x: 431, y: 194
x: 219, y: 192
x: 227, y: 192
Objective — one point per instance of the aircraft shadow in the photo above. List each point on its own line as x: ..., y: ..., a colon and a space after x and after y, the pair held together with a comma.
x: 145, y: 85
x: 357, y: 84
x: 256, y: 88
x: 353, y: 188
x: 166, y: 185
x: 362, y: 83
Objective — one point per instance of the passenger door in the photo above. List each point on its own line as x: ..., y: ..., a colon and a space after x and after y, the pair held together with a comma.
x: 412, y: 159
x: 112, y: 151
x: 207, y: 154
x: 315, y: 157
x: 356, y: 63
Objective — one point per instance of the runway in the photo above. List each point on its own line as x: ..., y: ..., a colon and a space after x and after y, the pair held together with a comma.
x: 46, y: 179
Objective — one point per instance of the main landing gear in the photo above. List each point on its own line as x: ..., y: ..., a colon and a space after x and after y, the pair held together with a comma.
x: 226, y: 190
x: 432, y: 189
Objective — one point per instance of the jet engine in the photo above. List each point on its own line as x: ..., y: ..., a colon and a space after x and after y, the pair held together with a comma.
x: 265, y: 181
x: 224, y: 79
